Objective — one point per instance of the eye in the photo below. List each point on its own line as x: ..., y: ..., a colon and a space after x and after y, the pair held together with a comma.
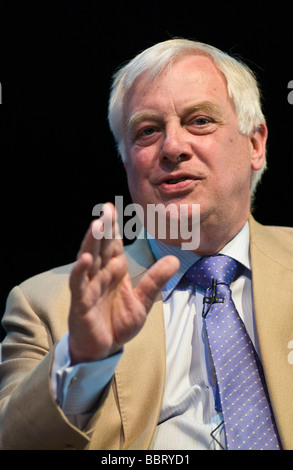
x: 201, y: 125
x: 146, y: 135
x: 202, y: 121
x: 147, y: 131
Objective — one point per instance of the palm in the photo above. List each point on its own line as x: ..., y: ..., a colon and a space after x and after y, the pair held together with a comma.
x: 106, y: 311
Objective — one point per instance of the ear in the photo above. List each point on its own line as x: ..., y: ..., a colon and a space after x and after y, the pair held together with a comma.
x: 258, y: 141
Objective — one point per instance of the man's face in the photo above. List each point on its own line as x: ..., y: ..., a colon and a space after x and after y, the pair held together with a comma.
x: 187, y: 113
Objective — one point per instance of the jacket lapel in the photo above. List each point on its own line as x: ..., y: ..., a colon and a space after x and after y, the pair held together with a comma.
x: 140, y: 375
x: 272, y: 278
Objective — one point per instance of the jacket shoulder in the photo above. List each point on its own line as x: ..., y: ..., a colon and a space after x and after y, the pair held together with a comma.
x: 48, y: 283
x: 41, y: 300
x: 274, y: 241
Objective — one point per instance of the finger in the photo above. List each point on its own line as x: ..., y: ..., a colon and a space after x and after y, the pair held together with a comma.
x: 111, y: 243
x: 90, y: 243
x: 97, y: 238
x: 155, y: 278
x: 79, y: 275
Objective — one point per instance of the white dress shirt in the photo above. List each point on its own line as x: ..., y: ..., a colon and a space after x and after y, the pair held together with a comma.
x: 188, y: 415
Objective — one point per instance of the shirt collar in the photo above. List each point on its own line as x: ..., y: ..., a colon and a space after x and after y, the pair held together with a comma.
x: 237, y: 248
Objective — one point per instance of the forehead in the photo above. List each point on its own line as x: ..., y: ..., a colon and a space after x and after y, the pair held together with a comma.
x: 190, y: 78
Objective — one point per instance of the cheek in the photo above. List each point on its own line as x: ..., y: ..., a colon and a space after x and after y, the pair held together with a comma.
x: 238, y: 167
x: 230, y: 164
x: 137, y: 176
x: 241, y: 163
x: 134, y: 170
x: 236, y: 153
x: 140, y: 163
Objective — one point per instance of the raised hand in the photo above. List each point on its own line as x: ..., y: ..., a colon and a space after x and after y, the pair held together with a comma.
x: 106, y: 311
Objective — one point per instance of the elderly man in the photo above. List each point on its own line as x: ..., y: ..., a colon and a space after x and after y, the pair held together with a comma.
x: 137, y: 348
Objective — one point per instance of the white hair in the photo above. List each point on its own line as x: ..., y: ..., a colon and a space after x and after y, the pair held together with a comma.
x: 241, y: 85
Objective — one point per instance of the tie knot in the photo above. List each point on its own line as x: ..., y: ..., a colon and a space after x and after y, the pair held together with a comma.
x: 220, y: 267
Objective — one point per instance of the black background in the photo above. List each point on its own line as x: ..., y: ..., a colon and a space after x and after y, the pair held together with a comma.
x: 58, y: 158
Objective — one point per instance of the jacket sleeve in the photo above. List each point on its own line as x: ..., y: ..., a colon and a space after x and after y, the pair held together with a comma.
x: 30, y: 418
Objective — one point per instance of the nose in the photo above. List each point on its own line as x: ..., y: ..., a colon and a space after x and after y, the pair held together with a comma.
x: 176, y: 146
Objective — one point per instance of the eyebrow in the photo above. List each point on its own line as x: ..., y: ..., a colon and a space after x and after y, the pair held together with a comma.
x: 204, y: 106
x: 136, y: 119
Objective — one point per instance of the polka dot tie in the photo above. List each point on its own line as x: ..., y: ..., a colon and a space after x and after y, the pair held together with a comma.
x: 249, y: 424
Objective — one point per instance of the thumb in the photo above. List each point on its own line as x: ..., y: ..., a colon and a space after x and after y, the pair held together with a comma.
x: 155, y: 278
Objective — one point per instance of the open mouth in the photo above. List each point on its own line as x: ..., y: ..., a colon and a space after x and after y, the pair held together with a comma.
x: 175, y: 181
x: 182, y: 183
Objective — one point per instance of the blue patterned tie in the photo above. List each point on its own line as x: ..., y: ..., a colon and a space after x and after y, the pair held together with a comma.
x: 249, y: 424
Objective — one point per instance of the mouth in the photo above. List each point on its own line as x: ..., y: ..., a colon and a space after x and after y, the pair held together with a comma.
x: 177, y: 182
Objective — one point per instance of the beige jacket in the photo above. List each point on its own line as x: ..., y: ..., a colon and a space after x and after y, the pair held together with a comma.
x: 36, y: 318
